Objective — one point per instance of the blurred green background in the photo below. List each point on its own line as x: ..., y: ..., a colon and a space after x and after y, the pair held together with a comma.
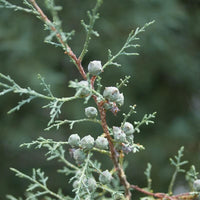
x: 165, y: 78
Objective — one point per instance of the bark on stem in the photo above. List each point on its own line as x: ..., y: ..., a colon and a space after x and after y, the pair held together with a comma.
x: 68, y: 51
x: 114, y: 156
x: 157, y: 195
x: 162, y: 196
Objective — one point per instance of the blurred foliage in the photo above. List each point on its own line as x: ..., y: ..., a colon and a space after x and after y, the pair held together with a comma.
x: 165, y: 78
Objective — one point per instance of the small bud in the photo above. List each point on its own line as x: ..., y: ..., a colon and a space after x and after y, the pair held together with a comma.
x: 118, y: 134
x: 91, y: 112
x: 105, y: 177
x: 78, y: 173
x: 112, y: 106
x: 108, y: 106
x: 128, y: 128
x: 126, y: 148
x: 130, y: 138
x: 120, y: 100
x: 75, y: 184
x: 95, y: 67
x: 87, y: 142
x: 101, y: 143
x: 74, y: 140
x: 79, y: 156
x: 196, y: 185
x: 84, y: 89
x: 92, y: 184
x: 111, y: 93
x: 114, y: 109
x: 117, y: 196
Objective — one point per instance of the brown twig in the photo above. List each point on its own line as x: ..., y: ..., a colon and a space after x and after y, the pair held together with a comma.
x: 68, y: 51
x: 186, y: 196
x: 157, y: 195
x: 92, y: 81
x: 162, y: 196
x: 114, y: 156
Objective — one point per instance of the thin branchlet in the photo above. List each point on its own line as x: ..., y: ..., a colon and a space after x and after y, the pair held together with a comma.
x: 38, y: 180
x: 133, y: 36
x: 71, y: 123
x: 148, y: 176
x: 55, y: 103
x: 7, y: 4
x: 93, y: 16
x: 177, y: 163
x: 59, y: 37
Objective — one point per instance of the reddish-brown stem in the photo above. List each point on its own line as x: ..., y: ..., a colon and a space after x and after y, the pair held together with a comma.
x: 157, y: 195
x: 68, y: 51
x: 92, y: 81
x: 186, y: 196
x: 162, y: 196
x: 77, y: 62
x: 102, y: 111
x: 114, y: 155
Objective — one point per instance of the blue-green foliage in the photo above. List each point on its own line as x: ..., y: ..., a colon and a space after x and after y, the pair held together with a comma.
x: 80, y: 169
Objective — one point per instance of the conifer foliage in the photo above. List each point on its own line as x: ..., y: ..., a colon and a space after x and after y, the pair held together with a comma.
x: 85, y: 173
